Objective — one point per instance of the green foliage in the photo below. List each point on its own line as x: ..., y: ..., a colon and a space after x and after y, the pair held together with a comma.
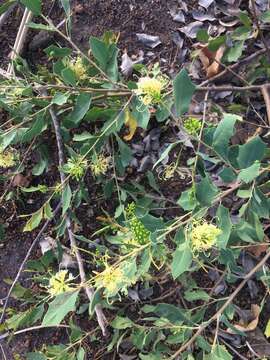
x: 141, y: 245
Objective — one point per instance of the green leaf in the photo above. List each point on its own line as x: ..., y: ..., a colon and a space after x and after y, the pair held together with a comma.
x: 57, y: 52
x: 225, y: 224
x: 267, y: 329
x: 227, y: 175
x: 35, y: 356
x: 33, y: 5
x: 66, y: 199
x: 245, y: 19
x: 249, y: 174
x: 219, y: 352
x: 183, y: 89
x: 80, y: 354
x: 80, y: 109
x: 36, y: 26
x: 125, y: 152
x: 236, y: 51
x: 140, y: 112
x: 4, y: 7
x: 202, y: 35
x: 66, y: 6
x: 59, y: 308
x: 260, y: 204
x: 96, y: 299
x: 69, y: 76
x: 166, y: 152
x: 34, y: 221
x: 265, y: 16
x: 215, y: 44
x: 187, y: 200
x: 121, y: 323
x: 182, y: 259
x: 223, y: 133
x: 205, y: 191
x: 196, y: 295
x: 250, y: 152
x: 106, y: 56
x: 60, y: 99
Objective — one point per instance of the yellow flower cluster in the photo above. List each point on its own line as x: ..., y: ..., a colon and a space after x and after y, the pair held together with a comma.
x: 7, y: 159
x: 59, y: 283
x: 204, y: 236
x: 79, y: 68
x: 76, y: 167
x: 111, y: 279
x: 149, y: 90
x: 100, y: 165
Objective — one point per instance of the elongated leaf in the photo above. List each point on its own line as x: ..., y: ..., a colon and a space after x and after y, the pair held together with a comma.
x: 36, y: 26
x: 33, y: 5
x: 106, y: 56
x: 223, y: 133
x: 59, y: 308
x: 205, y: 191
x: 225, y: 224
x: 80, y: 109
x: 121, y: 323
x: 250, y: 152
x: 4, y: 7
x: 183, y: 89
x: 166, y: 153
x: 249, y: 174
x: 182, y: 259
x: 34, y: 221
x: 66, y: 199
x: 94, y: 301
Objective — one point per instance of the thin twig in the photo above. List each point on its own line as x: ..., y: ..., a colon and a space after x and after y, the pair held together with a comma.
x: 235, y: 66
x: 102, y: 321
x: 32, y: 328
x: 223, y: 307
x: 257, y: 23
x: 21, y: 35
x: 34, y: 243
x: 266, y: 96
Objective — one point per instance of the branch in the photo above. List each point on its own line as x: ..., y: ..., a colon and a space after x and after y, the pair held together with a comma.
x: 44, y: 227
x: 265, y: 93
x: 21, y: 35
x: 255, y: 17
x: 102, y: 321
x: 223, y: 307
x: 233, y: 67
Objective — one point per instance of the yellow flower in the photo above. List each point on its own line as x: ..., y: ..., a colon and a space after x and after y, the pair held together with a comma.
x: 7, y: 159
x: 150, y: 90
x: 79, y: 68
x: 203, y: 236
x: 76, y: 167
x: 59, y: 283
x: 99, y: 165
x: 110, y: 279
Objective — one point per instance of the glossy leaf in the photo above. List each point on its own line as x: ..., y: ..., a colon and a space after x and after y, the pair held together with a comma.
x: 183, y: 89
x: 59, y: 308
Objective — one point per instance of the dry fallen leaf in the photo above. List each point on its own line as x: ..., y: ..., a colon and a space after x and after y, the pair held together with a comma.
x: 252, y: 325
x: 20, y: 180
x: 258, y: 250
x: 211, y: 60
